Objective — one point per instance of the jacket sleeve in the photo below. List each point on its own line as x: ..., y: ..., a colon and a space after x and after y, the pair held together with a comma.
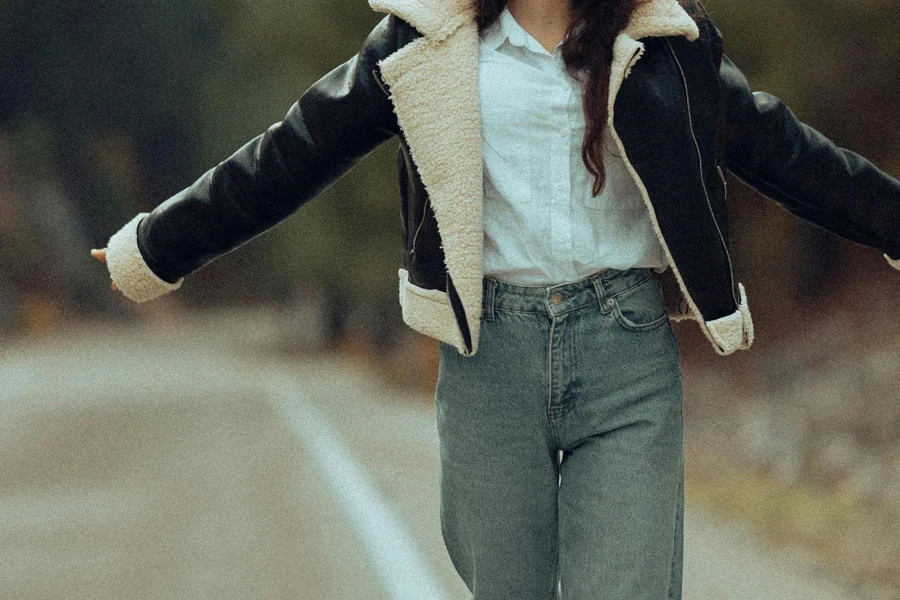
x: 337, y: 121
x: 771, y: 150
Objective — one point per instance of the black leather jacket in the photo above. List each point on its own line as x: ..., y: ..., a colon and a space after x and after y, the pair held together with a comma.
x: 685, y: 113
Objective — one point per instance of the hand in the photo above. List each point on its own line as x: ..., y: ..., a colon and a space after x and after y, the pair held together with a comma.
x: 101, y: 256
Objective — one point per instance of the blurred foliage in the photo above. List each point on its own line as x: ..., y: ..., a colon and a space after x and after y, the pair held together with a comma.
x: 847, y: 531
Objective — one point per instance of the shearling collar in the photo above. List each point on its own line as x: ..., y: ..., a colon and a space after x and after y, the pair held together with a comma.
x: 436, y: 19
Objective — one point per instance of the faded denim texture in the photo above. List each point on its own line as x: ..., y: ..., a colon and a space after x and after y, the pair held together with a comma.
x: 590, y: 368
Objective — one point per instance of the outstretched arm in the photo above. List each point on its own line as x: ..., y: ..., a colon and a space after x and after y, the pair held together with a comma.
x: 336, y: 122
x: 771, y: 150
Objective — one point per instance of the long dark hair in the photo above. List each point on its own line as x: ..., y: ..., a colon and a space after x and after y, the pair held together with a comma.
x: 587, y: 54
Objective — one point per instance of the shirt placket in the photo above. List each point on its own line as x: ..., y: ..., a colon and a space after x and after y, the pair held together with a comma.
x: 562, y: 187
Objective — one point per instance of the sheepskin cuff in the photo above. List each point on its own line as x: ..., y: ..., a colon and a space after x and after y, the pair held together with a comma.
x: 894, y: 262
x: 127, y: 267
x: 735, y: 331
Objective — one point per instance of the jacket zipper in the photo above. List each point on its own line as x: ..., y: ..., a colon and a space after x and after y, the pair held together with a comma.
x: 380, y: 82
x: 644, y: 194
x: 412, y: 249
x: 724, y: 183
x: 700, y: 159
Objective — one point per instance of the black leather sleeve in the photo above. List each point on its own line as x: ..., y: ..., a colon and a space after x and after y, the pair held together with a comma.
x: 771, y: 150
x: 337, y: 121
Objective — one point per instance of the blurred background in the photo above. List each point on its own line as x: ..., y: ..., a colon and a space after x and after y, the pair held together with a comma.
x: 267, y: 430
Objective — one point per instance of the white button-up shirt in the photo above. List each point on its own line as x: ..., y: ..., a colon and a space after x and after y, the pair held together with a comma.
x: 541, y: 224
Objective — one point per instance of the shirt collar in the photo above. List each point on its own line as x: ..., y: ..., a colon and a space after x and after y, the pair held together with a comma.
x: 506, y: 27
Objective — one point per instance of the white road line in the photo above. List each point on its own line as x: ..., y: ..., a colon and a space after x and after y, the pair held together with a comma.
x: 403, y: 571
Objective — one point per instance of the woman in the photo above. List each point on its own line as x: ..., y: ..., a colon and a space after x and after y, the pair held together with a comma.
x: 555, y: 160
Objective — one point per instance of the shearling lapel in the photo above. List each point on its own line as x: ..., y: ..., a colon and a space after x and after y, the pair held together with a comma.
x: 651, y: 19
x: 433, y: 85
x: 433, y: 82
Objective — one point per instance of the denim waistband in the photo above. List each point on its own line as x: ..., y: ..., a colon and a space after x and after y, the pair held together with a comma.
x: 598, y: 289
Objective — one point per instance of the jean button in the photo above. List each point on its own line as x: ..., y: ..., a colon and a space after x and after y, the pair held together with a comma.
x: 556, y: 298
x: 610, y: 301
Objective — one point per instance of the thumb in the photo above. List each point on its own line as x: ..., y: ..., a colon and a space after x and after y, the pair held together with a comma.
x: 99, y: 254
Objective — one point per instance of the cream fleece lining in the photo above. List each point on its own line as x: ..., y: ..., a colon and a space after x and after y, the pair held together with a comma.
x: 428, y: 311
x: 128, y: 269
x: 433, y: 87
x: 892, y: 262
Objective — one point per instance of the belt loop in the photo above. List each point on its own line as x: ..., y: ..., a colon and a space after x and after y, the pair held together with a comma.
x: 597, y: 280
x: 489, y: 300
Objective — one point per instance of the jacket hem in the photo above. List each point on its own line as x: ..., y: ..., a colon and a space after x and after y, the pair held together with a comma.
x: 732, y: 332
x: 429, y: 312
x: 127, y: 267
x: 894, y: 262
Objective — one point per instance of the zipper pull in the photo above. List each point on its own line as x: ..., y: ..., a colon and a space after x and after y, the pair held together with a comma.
x: 381, y: 83
x: 722, y: 177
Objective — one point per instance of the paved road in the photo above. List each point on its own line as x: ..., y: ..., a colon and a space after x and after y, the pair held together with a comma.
x: 179, y: 462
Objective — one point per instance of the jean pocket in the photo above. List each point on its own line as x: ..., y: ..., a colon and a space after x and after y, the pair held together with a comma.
x: 642, y: 307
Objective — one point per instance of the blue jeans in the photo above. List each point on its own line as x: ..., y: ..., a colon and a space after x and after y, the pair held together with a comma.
x: 561, y: 456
